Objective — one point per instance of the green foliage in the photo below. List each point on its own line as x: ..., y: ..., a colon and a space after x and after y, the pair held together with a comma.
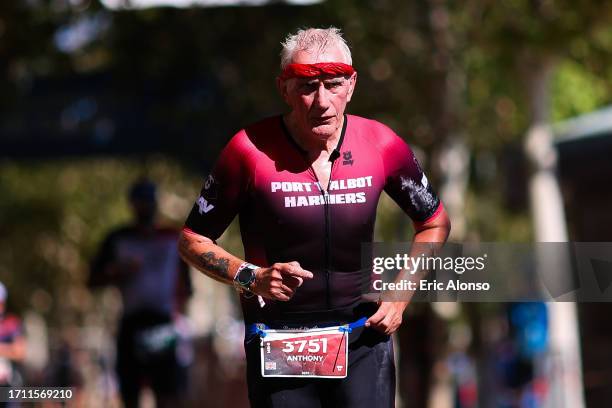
x: 576, y: 91
x: 489, y: 220
x: 430, y: 70
x: 54, y: 215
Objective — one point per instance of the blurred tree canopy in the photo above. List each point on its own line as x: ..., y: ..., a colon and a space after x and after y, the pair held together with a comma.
x: 53, y: 216
x: 199, y: 74
x: 181, y: 81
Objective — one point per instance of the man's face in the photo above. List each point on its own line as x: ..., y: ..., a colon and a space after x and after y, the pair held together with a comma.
x: 318, y: 104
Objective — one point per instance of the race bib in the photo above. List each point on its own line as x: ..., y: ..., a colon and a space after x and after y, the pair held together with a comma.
x: 315, y: 353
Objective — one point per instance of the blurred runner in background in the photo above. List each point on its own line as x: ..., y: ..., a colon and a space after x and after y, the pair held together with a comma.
x: 12, y: 343
x: 142, y: 261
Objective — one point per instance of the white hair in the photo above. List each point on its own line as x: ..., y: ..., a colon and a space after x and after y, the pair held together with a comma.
x: 314, y: 40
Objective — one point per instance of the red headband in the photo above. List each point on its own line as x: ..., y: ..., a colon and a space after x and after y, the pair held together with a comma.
x: 315, y: 70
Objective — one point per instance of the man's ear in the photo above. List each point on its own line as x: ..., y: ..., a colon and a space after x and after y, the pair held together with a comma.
x: 281, y: 85
x: 352, y: 83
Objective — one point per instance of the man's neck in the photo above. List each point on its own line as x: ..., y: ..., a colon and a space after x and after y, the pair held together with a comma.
x: 314, y: 144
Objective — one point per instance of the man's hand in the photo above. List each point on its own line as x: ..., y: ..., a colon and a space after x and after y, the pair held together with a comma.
x: 388, y: 317
x: 280, y: 281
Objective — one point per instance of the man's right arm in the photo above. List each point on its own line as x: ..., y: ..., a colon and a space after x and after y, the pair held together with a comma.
x: 203, y: 254
x: 223, y: 193
x: 277, y: 282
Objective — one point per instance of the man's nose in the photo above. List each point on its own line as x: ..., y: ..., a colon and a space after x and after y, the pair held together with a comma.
x: 322, y: 97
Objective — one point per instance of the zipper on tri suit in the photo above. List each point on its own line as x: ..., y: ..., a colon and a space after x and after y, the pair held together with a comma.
x: 326, y: 204
x: 327, y: 239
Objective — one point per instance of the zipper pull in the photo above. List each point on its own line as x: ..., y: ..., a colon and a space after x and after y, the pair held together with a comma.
x: 326, y: 196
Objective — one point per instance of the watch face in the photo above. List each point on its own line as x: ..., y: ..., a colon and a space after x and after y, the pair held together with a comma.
x: 245, y: 277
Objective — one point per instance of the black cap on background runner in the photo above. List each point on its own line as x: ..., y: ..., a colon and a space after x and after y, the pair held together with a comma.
x: 143, y: 190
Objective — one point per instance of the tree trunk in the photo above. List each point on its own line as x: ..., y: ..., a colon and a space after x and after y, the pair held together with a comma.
x: 550, y: 226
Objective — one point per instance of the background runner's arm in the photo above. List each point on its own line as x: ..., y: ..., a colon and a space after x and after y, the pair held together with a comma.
x: 106, y: 269
x: 184, y: 287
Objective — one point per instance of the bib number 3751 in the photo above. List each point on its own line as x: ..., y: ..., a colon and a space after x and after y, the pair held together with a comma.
x: 321, y: 353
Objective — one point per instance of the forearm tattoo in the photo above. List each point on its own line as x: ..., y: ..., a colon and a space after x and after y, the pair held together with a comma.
x: 210, y: 262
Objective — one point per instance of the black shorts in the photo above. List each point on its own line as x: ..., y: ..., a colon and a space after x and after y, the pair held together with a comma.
x: 161, y: 371
x: 370, y: 381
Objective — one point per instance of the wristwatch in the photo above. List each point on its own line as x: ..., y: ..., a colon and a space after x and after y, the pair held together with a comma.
x: 245, y: 276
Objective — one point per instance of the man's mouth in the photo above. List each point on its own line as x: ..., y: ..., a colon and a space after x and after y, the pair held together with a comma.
x: 323, y: 119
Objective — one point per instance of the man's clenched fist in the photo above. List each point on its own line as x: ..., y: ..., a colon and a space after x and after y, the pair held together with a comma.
x: 279, y: 281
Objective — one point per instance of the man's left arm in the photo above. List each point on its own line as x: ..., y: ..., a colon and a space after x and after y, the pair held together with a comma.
x: 428, y: 239
x: 407, y: 184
